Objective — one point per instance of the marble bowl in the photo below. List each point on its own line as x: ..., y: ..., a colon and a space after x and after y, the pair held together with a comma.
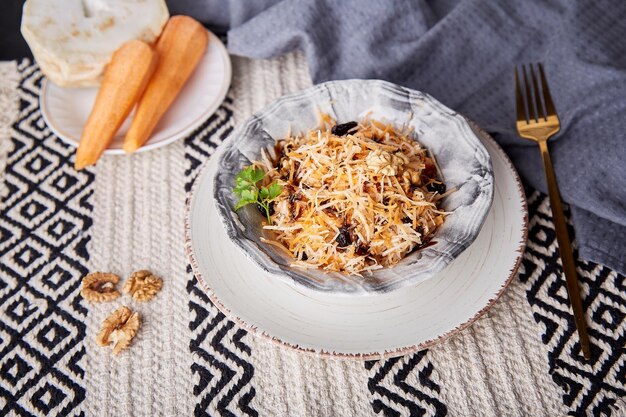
x: 463, y: 161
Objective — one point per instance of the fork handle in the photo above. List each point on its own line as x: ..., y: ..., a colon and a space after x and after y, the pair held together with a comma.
x: 565, y: 249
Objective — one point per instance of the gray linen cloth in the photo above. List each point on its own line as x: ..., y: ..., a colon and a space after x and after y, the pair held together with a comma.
x: 463, y: 53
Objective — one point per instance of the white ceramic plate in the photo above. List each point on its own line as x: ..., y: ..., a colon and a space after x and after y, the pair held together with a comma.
x: 66, y: 110
x: 360, y: 326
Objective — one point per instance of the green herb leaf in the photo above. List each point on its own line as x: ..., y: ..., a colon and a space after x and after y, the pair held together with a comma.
x: 245, y: 182
x: 245, y: 188
x: 251, y: 194
x: 248, y: 193
x: 240, y: 188
x: 242, y: 182
x: 242, y: 203
x: 257, y: 175
x: 274, y: 190
x: 247, y: 175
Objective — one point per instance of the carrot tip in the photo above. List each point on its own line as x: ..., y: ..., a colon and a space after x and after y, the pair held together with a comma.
x: 78, y: 165
x: 130, y: 147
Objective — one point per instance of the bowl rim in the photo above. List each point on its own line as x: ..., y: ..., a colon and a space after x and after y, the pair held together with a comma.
x: 295, y: 276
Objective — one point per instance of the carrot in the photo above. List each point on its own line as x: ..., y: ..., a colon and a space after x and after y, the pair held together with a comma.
x: 180, y: 47
x: 125, y: 78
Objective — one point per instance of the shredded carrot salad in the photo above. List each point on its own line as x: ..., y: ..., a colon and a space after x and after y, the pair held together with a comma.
x: 355, y: 197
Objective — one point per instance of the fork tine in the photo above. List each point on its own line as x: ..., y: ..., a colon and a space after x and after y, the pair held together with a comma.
x: 529, y: 97
x: 519, y: 100
x: 538, y: 104
x: 547, y: 98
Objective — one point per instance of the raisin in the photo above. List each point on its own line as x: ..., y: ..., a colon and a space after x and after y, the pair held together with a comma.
x: 407, y: 220
x: 280, y: 153
x: 343, y: 238
x: 294, y: 196
x: 262, y: 209
x: 438, y: 187
x: 362, y: 249
x: 426, y: 243
x: 430, y: 170
x: 331, y: 211
x: 343, y: 129
x: 304, y: 256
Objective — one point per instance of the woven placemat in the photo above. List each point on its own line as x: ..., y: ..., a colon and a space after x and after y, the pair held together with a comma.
x: 56, y: 224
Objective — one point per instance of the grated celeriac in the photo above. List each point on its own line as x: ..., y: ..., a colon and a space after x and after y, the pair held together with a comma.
x: 352, y: 203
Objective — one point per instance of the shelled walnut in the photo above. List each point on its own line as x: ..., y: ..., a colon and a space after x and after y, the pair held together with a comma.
x: 411, y: 177
x: 119, y: 329
x: 100, y: 287
x: 386, y: 163
x: 143, y: 285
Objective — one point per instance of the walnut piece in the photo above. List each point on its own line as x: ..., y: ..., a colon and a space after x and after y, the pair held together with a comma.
x: 100, y: 287
x: 411, y: 177
x: 143, y: 285
x: 386, y: 163
x: 119, y: 329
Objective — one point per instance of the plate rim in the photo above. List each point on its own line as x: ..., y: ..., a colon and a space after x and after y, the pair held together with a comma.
x: 368, y: 355
x: 225, y: 86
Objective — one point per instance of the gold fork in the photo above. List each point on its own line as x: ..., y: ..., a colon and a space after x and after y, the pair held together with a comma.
x: 538, y: 121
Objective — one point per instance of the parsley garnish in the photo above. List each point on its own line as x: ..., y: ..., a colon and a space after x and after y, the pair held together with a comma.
x: 248, y: 193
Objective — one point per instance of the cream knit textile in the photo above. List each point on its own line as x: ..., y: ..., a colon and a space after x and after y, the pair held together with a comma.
x: 497, y: 367
x: 8, y: 111
x: 138, y: 224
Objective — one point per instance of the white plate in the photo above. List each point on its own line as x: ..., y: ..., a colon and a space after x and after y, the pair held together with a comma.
x: 66, y: 110
x: 360, y: 326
